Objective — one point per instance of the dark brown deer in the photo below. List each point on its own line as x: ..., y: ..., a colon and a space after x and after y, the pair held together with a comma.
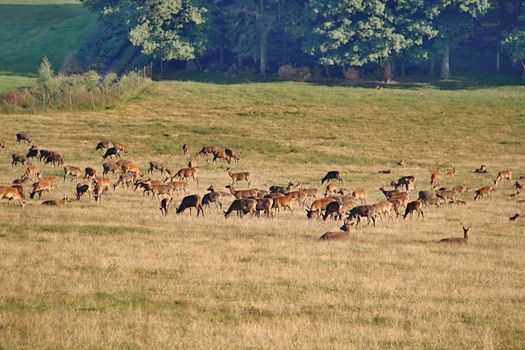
x: 332, y: 175
x: 89, y: 173
x: 110, y: 152
x: 22, y: 137
x: 191, y: 201
x: 103, y: 145
x: 339, y: 235
x: 414, y: 206
x: 186, y: 149
x: 483, y: 192
x: 19, y: 158
x: 242, y: 207
x: 408, y: 181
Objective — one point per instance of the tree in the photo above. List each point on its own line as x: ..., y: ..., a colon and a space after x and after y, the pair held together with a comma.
x: 513, y: 43
x: 167, y: 29
x: 355, y: 32
x: 453, y: 19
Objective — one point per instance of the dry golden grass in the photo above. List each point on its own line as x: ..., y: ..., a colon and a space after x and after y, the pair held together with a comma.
x: 117, y: 274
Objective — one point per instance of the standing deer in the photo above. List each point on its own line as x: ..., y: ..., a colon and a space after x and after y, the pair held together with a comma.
x: 332, y: 175
x: 434, y: 178
x: 503, y: 175
x: 22, y: 137
x: 72, y: 171
x: 482, y: 192
x: 240, y: 176
x: 186, y: 149
x: 414, y: 206
x: 191, y: 201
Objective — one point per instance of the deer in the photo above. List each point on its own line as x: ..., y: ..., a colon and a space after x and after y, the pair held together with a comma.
x: 310, y: 192
x: 360, y: 194
x: 337, y: 208
x: 383, y: 208
x: 54, y: 158
x: 231, y: 154
x: 52, y: 179
x: 162, y: 189
x: 179, y: 186
x: 207, y: 150
x: 458, y: 240
x: 157, y: 165
x: 3, y: 145
x: 126, y: 179
x: 299, y: 196
x: 32, y: 152
x: 111, y: 166
x: 408, y: 181
x: 284, y: 202
x: 240, y: 176
x: 165, y: 205
x: 339, y: 235
x: 332, y: 175
x: 434, y: 178
x: 12, y: 193
x: 318, y: 206
x: 41, y: 186
x: 265, y: 205
x: 451, y: 171
x: 240, y: 194
x: 121, y: 147
x: 481, y: 170
x: 242, y: 207
x: 460, y: 189
x: 192, y: 163
x: 447, y: 195
x: 19, y: 158
x: 367, y: 211
x: 401, y: 197
x: 330, y: 189
x: 186, y: 149
x: 56, y: 202
x: 103, y: 145
x: 482, y: 192
x: 133, y: 169
x: 81, y: 189
x: 503, y: 175
x: 101, y: 186
x: 72, y: 171
x: 110, y: 152
x: 22, y: 137
x: 389, y: 193
x: 401, y: 163
x: 221, y: 155
x: 89, y: 173
x: 191, y: 201
x: 30, y: 172
x: 186, y: 173
x: 414, y: 206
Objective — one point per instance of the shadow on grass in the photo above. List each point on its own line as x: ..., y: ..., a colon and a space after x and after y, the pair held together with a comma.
x: 468, y: 82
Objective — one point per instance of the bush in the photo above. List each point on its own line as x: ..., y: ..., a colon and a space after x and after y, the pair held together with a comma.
x: 288, y: 72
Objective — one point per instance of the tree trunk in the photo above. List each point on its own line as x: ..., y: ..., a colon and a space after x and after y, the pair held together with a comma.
x: 523, y: 74
x: 403, y: 66
x: 498, y: 65
x: 221, y: 51
x: 343, y: 66
x: 388, y: 76
x: 263, y: 39
x: 327, y: 71
x: 445, y: 62
x: 432, y: 66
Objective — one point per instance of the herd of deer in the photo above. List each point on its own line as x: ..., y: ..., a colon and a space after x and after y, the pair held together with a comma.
x: 335, y: 204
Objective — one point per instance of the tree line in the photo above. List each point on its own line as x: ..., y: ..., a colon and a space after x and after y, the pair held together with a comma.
x: 266, y: 34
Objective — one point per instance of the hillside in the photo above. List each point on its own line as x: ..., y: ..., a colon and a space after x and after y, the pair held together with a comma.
x: 118, y: 274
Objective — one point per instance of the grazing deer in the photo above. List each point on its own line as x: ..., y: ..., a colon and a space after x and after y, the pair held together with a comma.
x: 19, y: 158
x: 110, y: 152
x: 12, y: 193
x: 383, y: 208
x: 72, y: 171
x: 339, y: 235
x: 126, y: 179
x: 408, y: 181
x: 310, y: 192
x: 186, y: 173
x: 360, y: 194
x: 401, y: 197
x: 186, y: 149
x: 111, y: 166
x: 3, y: 145
x: 157, y: 165
x: 459, y: 240
x: 102, y: 185
x: 191, y: 201
x: 367, y: 211
x: 390, y: 193
x: 221, y: 155
x: 447, y: 195
x: 434, y: 178
x: 82, y: 189
x: 30, y: 172
x: 54, y: 158
x: 331, y: 189
x: 103, y: 145
x: 22, y: 137
x: 414, y: 206
x: 332, y: 175
x: 242, y: 207
x: 503, y: 175
x: 482, y: 192
x: 56, y: 202
x: 318, y: 206
x: 41, y: 186
x: 207, y: 150
x: 284, y: 202
x: 165, y: 205
x: 265, y: 205
x: 133, y: 169
x: 481, y: 170
x: 89, y: 173
x: 121, y: 147
x: 240, y: 176
x: 460, y: 189
x: 231, y: 154
x: 336, y: 209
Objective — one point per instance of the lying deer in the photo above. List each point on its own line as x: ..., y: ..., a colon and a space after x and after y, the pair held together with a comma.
x: 459, y: 240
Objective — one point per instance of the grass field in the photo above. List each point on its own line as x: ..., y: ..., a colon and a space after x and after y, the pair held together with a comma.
x: 117, y: 274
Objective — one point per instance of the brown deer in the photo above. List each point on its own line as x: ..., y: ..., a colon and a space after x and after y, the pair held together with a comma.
x: 3, y: 145
x: 240, y: 194
x: 414, y: 206
x: 165, y: 205
x: 179, y: 186
x: 112, y: 167
x: 12, y: 194
x: 284, y: 202
x: 126, y: 179
x: 191, y: 201
x: 389, y: 193
x: 207, y: 150
x: 318, y: 206
x: 339, y: 235
x: 186, y: 173
x: 360, y: 194
x: 408, y: 181
x: 482, y: 192
x: 157, y: 165
x: 265, y: 205
x: 434, y: 178
x: 401, y: 197
x: 231, y: 154
x: 89, y: 173
x: 331, y: 189
x: 449, y: 196
x: 41, y: 186
x: 56, y: 202
x: 240, y: 176
x: 133, y: 169
x: 242, y: 207
x: 161, y: 190
x: 383, y: 208
x: 22, y: 137
x: 121, y: 147
x: 458, y: 240
x: 30, y: 171
x: 19, y: 158
x: 503, y: 175
x: 103, y: 145
x: 221, y: 155
x: 72, y: 171
x: 367, y: 211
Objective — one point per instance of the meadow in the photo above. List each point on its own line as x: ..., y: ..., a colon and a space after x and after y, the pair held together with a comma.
x: 116, y: 274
